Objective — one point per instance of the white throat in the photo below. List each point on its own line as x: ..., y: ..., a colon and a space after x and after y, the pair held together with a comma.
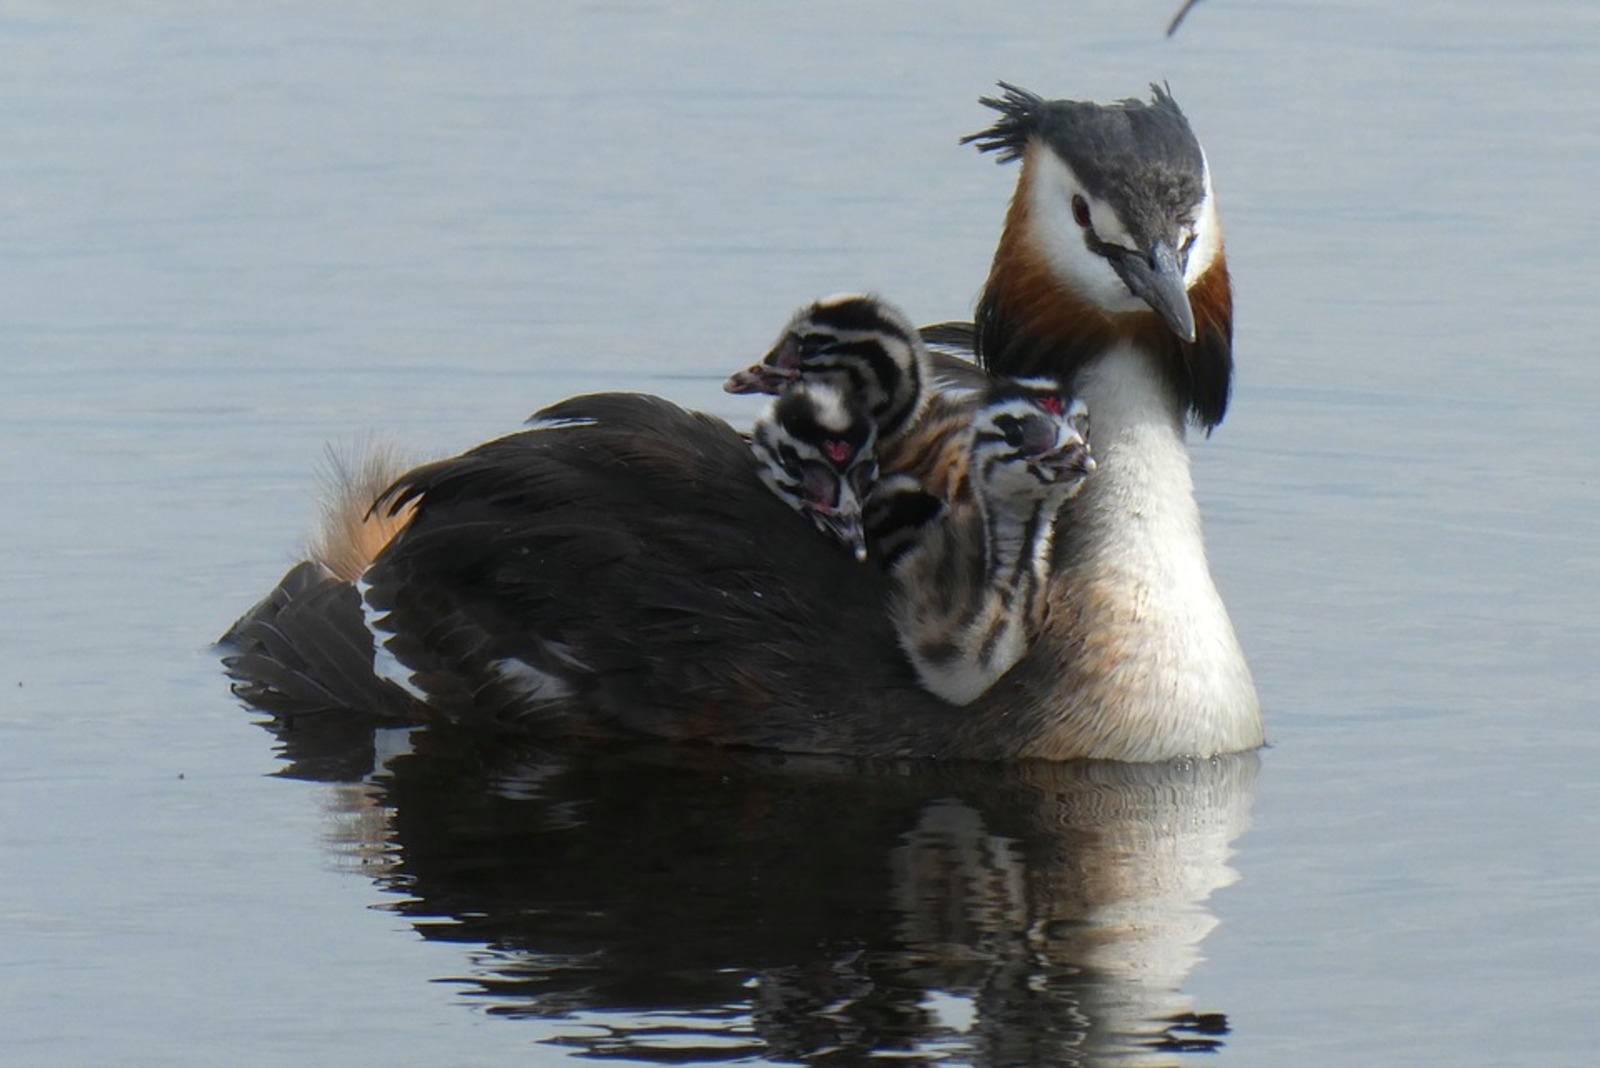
x: 1139, y: 507
x: 1156, y: 634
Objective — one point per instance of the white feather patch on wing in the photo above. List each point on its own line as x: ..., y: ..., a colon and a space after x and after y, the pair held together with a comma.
x: 533, y: 683
x: 385, y: 664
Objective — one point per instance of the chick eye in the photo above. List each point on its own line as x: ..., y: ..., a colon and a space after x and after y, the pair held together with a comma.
x: 1080, y: 211
x: 813, y: 345
x: 863, y: 478
x: 1011, y: 430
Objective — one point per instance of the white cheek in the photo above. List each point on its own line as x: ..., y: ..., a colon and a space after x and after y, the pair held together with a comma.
x: 1059, y: 238
x: 1207, y: 236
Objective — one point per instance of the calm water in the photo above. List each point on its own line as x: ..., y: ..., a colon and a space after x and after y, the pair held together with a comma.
x: 227, y: 239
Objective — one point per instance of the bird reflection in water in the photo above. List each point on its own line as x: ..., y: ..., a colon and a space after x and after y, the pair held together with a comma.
x: 677, y: 904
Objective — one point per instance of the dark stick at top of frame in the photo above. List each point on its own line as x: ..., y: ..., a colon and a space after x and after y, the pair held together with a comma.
x: 1177, y: 20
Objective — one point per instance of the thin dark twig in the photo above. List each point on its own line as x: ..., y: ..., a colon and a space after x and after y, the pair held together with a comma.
x: 1177, y: 20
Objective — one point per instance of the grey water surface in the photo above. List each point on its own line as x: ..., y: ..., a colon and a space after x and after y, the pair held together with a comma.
x: 232, y: 234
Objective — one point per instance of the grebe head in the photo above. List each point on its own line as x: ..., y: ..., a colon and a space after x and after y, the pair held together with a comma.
x: 1119, y: 196
x: 1030, y: 442
x: 816, y: 450
x: 1112, y: 240
x: 857, y: 343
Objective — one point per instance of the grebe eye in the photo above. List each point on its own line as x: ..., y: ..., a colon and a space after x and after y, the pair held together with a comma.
x: 813, y: 345
x: 1080, y: 211
x: 864, y: 478
x: 1011, y: 430
x: 789, y: 461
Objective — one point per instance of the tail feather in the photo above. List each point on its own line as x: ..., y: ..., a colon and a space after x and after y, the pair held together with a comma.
x: 306, y: 648
x: 352, y: 532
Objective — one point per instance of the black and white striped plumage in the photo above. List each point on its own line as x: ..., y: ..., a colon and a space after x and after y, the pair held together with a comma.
x: 970, y: 589
x: 817, y: 452
x: 858, y: 343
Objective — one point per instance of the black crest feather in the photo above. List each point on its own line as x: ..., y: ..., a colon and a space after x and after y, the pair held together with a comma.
x: 1100, y: 137
x: 1020, y: 114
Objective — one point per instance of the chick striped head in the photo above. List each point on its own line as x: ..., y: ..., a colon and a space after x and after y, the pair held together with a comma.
x: 859, y: 344
x: 816, y: 450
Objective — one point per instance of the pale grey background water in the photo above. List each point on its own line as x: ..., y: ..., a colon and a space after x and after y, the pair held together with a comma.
x: 228, y: 237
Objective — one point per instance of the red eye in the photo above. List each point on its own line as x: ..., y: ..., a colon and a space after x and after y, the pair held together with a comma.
x: 837, y: 451
x: 1052, y: 403
x: 1080, y: 211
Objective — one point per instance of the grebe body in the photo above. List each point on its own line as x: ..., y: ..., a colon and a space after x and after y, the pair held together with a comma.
x: 624, y: 569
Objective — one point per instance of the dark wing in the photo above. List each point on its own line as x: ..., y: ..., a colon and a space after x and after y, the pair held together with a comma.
x: 625, y: 555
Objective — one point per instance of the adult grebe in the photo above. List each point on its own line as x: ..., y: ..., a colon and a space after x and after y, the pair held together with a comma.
x: 623, y: 568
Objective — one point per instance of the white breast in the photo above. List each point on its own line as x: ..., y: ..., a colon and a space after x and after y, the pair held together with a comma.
x: 1164, y: 668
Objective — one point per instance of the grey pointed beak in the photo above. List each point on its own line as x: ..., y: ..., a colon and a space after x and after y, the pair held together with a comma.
x: 1158, y: 281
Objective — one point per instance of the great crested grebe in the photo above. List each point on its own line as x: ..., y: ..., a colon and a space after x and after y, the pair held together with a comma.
x: 817, y: 449
x: 1110, y: 273
x: 969, y: 590
x: 970, y: 560
x: 862, y: 346
x: 624, y: 568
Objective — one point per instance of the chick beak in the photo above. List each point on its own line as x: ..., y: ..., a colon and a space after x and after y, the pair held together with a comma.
x: 845, y: 525
x: 1070, y: 461
x: 776, y: 370
x: 760, y: 378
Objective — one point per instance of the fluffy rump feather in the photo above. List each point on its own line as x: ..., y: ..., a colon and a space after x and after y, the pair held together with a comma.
x: 351, y: 532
